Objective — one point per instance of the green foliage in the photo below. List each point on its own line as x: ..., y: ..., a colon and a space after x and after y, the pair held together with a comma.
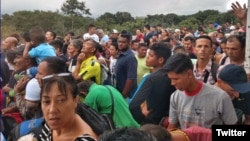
x: 71, y: 19
x: 75, y: 8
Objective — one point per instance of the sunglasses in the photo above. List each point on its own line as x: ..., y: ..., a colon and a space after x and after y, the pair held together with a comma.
x: 66, y: 76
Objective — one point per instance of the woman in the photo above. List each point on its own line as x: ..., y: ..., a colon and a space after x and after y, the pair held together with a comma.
x: 59, y: 100
x: 113, y: 49
x: 73, y: 51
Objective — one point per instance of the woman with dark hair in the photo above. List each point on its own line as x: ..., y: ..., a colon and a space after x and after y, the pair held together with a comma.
x: 59, y: 100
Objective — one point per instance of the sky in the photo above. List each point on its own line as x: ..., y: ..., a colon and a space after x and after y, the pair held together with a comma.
x: 137, y: 8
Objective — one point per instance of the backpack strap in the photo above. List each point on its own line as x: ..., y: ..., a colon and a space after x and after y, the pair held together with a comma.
x: 112, y: 99
x: 223, y: 60
x: 214, y: 69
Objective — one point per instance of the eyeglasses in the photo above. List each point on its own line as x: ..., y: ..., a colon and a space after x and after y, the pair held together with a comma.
x: 66, y: 76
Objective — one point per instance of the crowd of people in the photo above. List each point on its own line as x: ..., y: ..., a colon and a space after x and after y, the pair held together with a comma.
x: 162, y: 84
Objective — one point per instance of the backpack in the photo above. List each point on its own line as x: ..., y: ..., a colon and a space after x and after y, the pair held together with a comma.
x: 98, y: 122
x: 25, y: 128
x: 105, y: 73
x: 214, y: 69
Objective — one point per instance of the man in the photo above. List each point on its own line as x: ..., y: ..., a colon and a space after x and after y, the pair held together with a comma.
x: 126, y: 66
x: 188, y: 43
x: 91, y: 33
x: 103, y: 38
x: 7, y: 68
x: 50, y: 36
x: 194, y: 102
x: 87, y: 65
x: 150, y: 103
x: 233, y: 79
x: 100, y: 97
x: 204, y: 69
x: 142, y: 68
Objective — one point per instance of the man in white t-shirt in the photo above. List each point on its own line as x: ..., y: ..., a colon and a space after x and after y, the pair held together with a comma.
x: 91, y: 33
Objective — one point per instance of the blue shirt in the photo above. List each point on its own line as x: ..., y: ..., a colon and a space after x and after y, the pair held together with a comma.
x: 126, y: 68
x: 42, y: 51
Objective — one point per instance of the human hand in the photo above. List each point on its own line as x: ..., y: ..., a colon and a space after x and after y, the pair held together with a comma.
x: 81, y: 57
x: 144, y: 109
x: 239, y: 11
x: 20, y: 86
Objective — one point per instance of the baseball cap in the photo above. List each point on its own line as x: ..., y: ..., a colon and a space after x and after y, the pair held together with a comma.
x: 236, y: 77
x: 32, y: 91
x: 114, y: 31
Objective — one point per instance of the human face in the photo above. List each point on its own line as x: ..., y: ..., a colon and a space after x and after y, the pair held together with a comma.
x: 42, y: 71
x: 71, y: 50
x: 113, y: 51
x: 227, y: 88
x: 223, y: 47
x: 20, y: 63
x: 123, y: 44
x: 180, y: 80
x: 203, y: 49
x: 58, y: 109
x: 48, y: 36
x: 188, y: 45
x: 234, y: 50
x: 88, y: 48
x: 135, y: 46
x: 142, y: 51
x: 7, y: 43
x: 152, y: 60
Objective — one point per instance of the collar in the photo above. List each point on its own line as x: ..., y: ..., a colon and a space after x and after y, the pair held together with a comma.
x: 208, y: 67
x: 196, y: 91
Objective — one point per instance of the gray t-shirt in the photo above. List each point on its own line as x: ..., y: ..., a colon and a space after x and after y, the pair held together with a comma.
x: 210, y: 106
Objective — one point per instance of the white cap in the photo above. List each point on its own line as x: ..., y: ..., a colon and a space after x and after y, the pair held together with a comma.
x: 232, y: 27
x: 33, y: 90
x: 114, y: 31
x: 177, y: 30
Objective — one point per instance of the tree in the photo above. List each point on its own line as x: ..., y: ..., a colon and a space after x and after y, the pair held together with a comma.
x: 74, y: 8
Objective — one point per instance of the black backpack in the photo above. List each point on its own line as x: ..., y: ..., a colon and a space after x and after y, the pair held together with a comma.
x: 98, y: 122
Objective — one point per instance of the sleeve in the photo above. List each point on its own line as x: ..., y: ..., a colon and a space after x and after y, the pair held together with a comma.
x: 140, y: 96
x: 91, y: 71
x: 132, y: 68
x: 173, y: 115
x: 33, y: 52
x: 227, y: 110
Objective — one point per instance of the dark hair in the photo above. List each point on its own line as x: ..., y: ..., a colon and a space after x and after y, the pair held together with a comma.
x: 63, y: 82
x: 55, y: 64
x: 17, y: 36
x: 223, y: 41
x: 91, y: 25
x: 180, y: 49
x: 115, y: 45
x: 127, y: 134
x: 205, y: 37
x: 38, y: 34
x: 126, y: 34
x: 143, y: 45
x: 187, y: 38
x: 240, y: 38
x: 84, y: 86
x: 147, y: 26
x: 53, y: 34
x: 159, y: 132
x: 57, y: 44
x: 71, y: 33
x: 94, y: 43
x: 161, y: 50
x: 178, y: 63
x: 77, y: 43
x: 26, y: 37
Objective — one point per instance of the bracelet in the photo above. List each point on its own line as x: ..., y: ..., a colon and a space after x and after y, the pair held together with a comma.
x: 182, y: 132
